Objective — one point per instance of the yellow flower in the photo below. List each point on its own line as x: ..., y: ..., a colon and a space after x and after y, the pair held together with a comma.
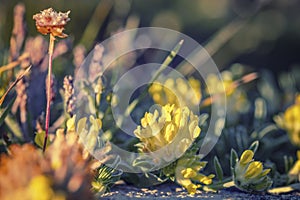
x: 249, y: 175
x: 177, y: 91
x: 192, y: 188
x: 290, y: 121
x: 215, y: 85
x: 254, y: 169
x: 39, y: 188
x: 236, y: 101
x: 28, y: 174
x: 49, y: 21
x: 169, y: 127
x: 294, y: 173
x: 187, y: 173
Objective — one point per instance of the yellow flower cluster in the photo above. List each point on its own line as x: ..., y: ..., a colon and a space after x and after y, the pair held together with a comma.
x: 169, y: 133
x: 177, y: 91
x: 187, y: 173
x: 88, y: 133
x: 290, y: 121
x: 88, y: 136
x: 28, y: 174
x: 236, y: 99
x: 64, y: 171
x: 249, y: 175
x: 40, y: 188
x: 218, y: 86
x: 171, y: 130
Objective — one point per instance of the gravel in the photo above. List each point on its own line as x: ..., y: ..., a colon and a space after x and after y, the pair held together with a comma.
x: 171, y: 191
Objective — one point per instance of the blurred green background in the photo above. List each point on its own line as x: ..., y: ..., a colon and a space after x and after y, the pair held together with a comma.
x: 268, y: 36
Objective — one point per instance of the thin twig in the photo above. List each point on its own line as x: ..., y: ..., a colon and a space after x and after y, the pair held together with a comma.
x: 245, y: 79
x: 14, y: 84
x: 14, y: 63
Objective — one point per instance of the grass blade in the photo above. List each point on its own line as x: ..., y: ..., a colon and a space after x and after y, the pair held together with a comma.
x: 218, y: 169
x: 254, y: 146
x: 5, y: 112
x: 14, y: 84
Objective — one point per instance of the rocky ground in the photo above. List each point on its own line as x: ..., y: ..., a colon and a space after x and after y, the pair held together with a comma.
x: 172, y: 191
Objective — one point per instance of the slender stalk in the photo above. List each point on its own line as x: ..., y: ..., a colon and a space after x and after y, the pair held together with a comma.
x: 48, y: 89
x: 14, y: 84
x: 162, y: 67
x: 13, y: 64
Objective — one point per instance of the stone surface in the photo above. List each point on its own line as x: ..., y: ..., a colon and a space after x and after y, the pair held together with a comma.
x: 172, y: 191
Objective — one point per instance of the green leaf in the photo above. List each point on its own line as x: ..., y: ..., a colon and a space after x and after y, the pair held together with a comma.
x: 203, y: 119
x: 254, y: 146
x: 145, y: 163
x: 288, y: 163
x: 39, y: 139
x: 4, y: 112
x: 233, y: 158
x: 13, y: 84
x: 218, y: 168
x: 14, y: 126
x: 81, y: 124
x: 167, y: 61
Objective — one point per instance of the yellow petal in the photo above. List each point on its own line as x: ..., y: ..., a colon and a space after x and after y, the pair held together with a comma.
x: 254, y: 169
x: 81, y: 125
x: 192, y: 188
x: 298, y: 155
x: 265, y: 172
x: 188, y: 173
x: 246, y: 157
x: 40, y: 188
x: 204, y: 179
x: 196, y: 132
x: 297, y: 99
x: 71, y: 124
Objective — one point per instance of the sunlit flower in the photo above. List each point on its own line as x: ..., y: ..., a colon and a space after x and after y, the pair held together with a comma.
x: 49, y: 21
x: 187, y: 173
x: 171, y: 130
x: 249, y: 175
x: 294, y: 173
x: 88, y: 132
x: 216, y: 85
x: 236, y: 101
x: 40, y: 188
x: 168, y: 133
x: 61, y: 173
x: 105, y: 178
x: 290, y: 121
x: 177, y: 91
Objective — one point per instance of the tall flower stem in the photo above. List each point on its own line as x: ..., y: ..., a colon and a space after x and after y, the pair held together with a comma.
x: 48, y: 89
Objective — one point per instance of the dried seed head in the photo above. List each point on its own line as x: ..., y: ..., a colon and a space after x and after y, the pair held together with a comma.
x: 49, y: 21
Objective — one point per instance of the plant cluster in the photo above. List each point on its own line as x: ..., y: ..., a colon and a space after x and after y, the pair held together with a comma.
x: 51, y: 155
